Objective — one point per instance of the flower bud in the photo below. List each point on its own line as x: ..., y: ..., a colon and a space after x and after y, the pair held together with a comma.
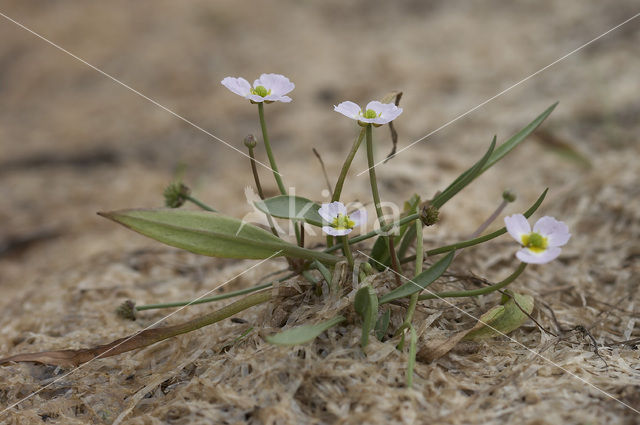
x: 175, y: 195
x: 429, y: 215
x: 509, y: 195
x: 250, y: 141
x: 127, y: 310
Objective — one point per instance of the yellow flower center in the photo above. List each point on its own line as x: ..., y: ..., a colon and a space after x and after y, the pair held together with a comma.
x: 342, y: 222
x: 535, y: 242
x: 370, y: 113
x: 260, y: 91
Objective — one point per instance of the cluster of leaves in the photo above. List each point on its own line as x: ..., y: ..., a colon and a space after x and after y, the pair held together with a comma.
x: 218, y: 235
x: 212, y: 233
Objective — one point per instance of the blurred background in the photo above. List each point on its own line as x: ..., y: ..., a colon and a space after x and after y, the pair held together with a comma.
x: 73, y: 142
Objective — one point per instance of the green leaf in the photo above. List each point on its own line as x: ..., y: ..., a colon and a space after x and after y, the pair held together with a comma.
x: 413, y: 342
x: 502, y: 319
x: 496, y: 155
x: 464, y: 179
x: 324, y: 271
x: 421, y: 281
x: 291, y: 207
x: 366, y: 305
x: 380, y: 258
x: 382, y: 325
x: 304, y: 333
x: 211, y: 234
x: 517, y: 138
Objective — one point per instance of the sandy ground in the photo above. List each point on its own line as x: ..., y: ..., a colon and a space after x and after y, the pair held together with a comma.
x: 74, y: 142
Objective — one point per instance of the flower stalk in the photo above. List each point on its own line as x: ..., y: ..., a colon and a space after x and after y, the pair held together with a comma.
x: 347, y: 250
x: 345, y: 167
x: 476, y: 292
x: 413, y: 301
x: 376, y: 200
x: 267, y: 146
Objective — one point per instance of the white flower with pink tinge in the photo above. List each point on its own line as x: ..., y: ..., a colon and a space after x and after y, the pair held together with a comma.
x: 340, y: 223
x: 268, y: 88
x: 376, y: 113
x: 543, y: 243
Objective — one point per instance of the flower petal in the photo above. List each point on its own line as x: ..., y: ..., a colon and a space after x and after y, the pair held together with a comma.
x: 331, y: 211
x: 335, y: 232
x: 387, y: 112
x: 278, y: 98
x: 239, y: 86
x: 337, y: 208
x: 255, y: 98
x: 323, y: 211
x: 278, y: 84
x: 527, y: 256
x: 376, y: 106
x: 555, y: 231
x: 391, y: 115
x: 359, y: 217
x: 348, y: 109
x: 517, y: 225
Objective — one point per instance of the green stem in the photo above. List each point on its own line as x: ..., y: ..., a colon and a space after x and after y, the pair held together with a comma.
x: 413, y: 301
x: 489, y: 220
x: 211, y: 299
x: 345, y: 167
x: 329, y: 241
x: 376, y: 200
x: 200, y: 203
x: 476, y: 292
x: 256, y: 178
x: 153, y: 335
x: 347, y: 250
x: 419, y: 250
x: 372, y: 175
x: 272, y: 160
x: 267, y: 146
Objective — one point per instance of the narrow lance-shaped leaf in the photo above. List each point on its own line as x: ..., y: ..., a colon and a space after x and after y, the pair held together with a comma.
x: 144, y: 338
x: 211, y: 234
x: 303, y: 334
x: 366, y: 305
x: 505, y: 148
x: 421, y: 281
x: 291, y: 207
x: 517, y: 138
x: 464, y: 179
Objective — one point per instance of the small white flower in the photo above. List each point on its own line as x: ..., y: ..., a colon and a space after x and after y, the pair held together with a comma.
x: 267, y: 88
x: 376, y: 113
x: 543, y: 243
x: 340, y: 223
